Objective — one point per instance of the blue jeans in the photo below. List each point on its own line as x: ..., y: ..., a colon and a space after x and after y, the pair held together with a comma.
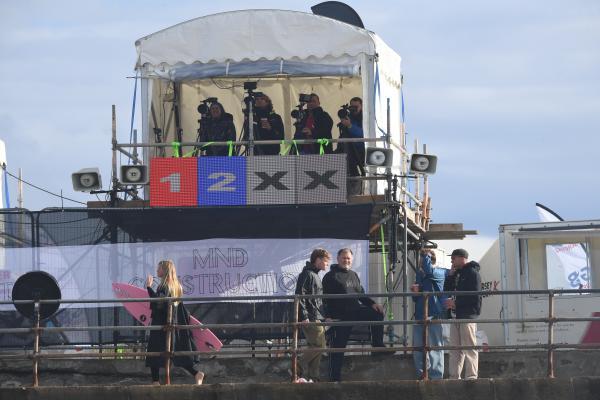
x: 435, y: 357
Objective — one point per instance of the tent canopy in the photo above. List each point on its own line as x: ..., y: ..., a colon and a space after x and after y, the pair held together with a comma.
x: 253, y: 38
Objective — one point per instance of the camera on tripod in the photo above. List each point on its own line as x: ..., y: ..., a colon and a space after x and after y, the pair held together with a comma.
x: 204, y: 107
x: 251, y: 97
x: 299, y: 113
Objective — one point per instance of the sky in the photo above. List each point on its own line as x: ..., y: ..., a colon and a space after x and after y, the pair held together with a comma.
x: 505, y: 93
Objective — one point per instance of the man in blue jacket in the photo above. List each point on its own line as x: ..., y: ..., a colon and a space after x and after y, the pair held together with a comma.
x: 351, y: 127
x: 464, y: 276
x: 429, y: 279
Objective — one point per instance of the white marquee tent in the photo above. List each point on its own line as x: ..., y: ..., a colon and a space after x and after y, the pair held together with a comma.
x: 287, y: 52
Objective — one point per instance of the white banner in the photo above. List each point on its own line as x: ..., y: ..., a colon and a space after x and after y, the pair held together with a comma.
x: 206, y: 268
x: 567, y: 263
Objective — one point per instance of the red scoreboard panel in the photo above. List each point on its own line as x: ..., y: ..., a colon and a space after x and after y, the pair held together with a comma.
x: 173, y: 182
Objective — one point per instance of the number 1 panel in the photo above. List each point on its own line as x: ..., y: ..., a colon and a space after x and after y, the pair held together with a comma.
x: 173, y: 182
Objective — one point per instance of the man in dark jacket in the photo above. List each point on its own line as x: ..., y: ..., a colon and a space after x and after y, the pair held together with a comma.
x: 351, y: 128
x: 218, y: 128
x: 316, y: 124
x: 311, y: 310
x: 268, y: 125
x: 342, y: 280
x: 464, y: 276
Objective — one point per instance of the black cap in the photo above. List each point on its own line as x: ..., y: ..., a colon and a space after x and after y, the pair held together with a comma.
x: 460, y: 253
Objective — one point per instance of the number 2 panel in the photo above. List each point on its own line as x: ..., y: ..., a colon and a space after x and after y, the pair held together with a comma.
x: 221, y: 181
x: 173, y: 182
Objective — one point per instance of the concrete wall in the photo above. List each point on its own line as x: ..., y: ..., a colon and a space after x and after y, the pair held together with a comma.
x: 511, y: 389
x: 80, y: 372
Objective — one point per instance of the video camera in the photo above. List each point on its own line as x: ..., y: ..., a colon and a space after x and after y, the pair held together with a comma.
x: 252, y: 95
x: 300, y: 113
x: 204, y: 107
x: 344, y: 111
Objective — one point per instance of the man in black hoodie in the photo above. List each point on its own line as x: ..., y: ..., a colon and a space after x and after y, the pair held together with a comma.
x: 342, y: 280
x: 316, y: 124
x: 311, y: 310
x: 464, y: 276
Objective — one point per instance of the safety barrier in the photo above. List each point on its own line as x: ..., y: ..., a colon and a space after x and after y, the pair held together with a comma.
x: 170, y: 327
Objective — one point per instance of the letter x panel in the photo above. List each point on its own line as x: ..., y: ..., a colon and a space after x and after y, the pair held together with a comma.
x: 321, y: 179
x: 271, y: 179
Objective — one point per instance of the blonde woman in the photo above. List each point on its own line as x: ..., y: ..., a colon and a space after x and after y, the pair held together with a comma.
x: 181, y: 339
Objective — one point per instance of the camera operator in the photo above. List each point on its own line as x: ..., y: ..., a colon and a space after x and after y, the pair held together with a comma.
x: 268, y: 125
x: 351, y: 127
x: 315, y: 124
x: 218, y: 128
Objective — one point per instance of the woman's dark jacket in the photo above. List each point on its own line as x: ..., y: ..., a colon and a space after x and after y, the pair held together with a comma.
x: 217, y: 130
x: 182, y: 339
x: 260, y: 133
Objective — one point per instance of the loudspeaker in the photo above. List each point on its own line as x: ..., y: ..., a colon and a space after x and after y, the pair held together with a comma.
x: 36, y: 285
x: 423, y: 163
x: 378, y: 157
x: 86, y: 180
x: 134, y: 174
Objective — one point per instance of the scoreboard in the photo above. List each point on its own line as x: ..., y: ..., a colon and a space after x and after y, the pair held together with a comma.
x: 234, y: 181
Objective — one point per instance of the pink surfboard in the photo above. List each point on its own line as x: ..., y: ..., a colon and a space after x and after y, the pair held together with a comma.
x: 205, y: 340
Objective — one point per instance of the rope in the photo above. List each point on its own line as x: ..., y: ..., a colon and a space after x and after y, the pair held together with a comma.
x: 39, y: 188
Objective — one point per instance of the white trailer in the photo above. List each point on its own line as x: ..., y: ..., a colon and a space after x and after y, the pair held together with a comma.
x: 543, y: 256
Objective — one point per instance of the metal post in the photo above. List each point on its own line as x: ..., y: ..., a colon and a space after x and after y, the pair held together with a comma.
x: 114, y: 147
x: 295, y: 342
x: 36, y: 342
x: 405, y: 274
x: 551, y: 334
x: 425, y: 375
x: 250, y: 127
x: 20, y: 189
x: 169, y: 329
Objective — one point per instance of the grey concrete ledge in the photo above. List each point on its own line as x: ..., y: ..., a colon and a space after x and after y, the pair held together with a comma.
x: 582, y: 388
x: 82, y: 372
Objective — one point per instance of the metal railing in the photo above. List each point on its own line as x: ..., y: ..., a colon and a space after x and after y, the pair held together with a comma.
x: 170, y: 327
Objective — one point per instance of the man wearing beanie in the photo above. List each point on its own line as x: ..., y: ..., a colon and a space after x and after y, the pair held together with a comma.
x: 464, y: 276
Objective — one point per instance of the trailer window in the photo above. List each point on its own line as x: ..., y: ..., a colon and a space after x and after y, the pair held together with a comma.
x: 567, y: 266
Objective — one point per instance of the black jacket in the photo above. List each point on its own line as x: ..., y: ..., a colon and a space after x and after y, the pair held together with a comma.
x: 466, y: 279
x: 310, y: 283
x: 322, y: 130
x: 341, y: 281
x: 182, y: 339
x: 260, y: 133
x: 217, y: 130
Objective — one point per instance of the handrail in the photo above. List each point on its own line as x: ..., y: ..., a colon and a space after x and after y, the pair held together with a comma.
x: 247, y: 142
x: 549, y: 345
